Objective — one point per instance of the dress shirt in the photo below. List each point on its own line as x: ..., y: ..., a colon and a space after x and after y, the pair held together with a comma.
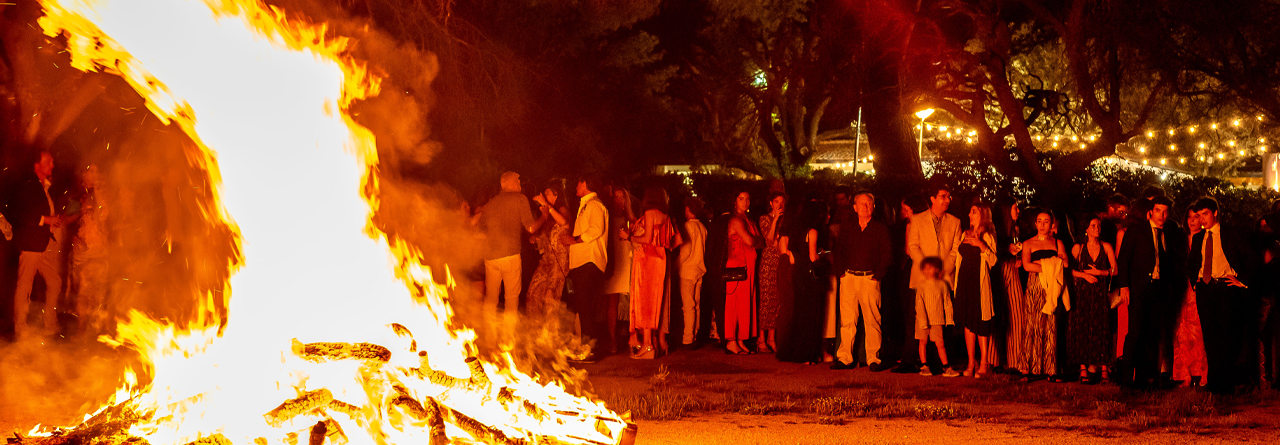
x: 589, y: 228
x: 1221, y: 268
x: 863, y: 249
x: 692, y: 251
x: 1157, y: 238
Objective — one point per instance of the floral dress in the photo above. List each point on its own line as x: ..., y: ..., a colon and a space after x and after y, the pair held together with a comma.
x: 548, y: 279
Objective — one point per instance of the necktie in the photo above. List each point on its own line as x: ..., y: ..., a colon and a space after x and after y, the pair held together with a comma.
x: 1159, y: 234
x: 1206, y: 273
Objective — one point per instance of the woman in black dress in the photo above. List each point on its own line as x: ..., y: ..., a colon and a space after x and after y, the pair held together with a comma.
x: 974, y: 305
x: 802, y: 340
x: 1089, y: 328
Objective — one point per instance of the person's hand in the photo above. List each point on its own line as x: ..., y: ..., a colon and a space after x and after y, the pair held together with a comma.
x: 1231, y: 280
x: 540, y: 200
x: 1090, y: 278
x: 53, y: 221
x: 792, y: 258
x: 1093, y: 271
x: 1124, y: 295
x: 567, y: 239
x: 623, y: 234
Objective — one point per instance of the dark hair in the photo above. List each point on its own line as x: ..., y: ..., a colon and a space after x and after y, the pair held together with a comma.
x: 1084, y: 226
x: 1117, y: 200
x: 655, y: 198
x: 555, y: 185
x: 918, y: 203
x: 844, y: 190
x: 695, y: 206
x: 931, y: 261
x: 774, y: 194
x: 1163, y: 200
x: 1138, y: 214
x: 812, y: 216
x: 937, y: 187
x: 1205, y: 203
x: 593, y: 182
x: 1152, y: 191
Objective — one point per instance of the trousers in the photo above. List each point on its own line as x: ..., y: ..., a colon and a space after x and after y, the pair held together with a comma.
x: 859, y: 296
x: 502, y: 273
x: 46, y: 265
x: 690, y: 294
x: 588, y: 301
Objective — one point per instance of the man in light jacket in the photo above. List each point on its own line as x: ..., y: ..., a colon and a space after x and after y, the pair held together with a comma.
x: 934, y: 233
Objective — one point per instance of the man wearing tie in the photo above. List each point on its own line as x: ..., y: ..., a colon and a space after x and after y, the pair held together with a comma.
x: 1224, y: 264
x: 1149, y: 264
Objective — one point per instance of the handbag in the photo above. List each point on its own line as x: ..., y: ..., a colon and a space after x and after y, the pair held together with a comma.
x: 732, y: 274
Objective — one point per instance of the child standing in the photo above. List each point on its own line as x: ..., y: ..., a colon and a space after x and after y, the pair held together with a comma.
x: 933, y: 311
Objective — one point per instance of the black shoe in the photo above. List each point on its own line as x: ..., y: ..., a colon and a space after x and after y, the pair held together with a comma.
x: 906, y: 368
x: 588, y: 360
x: 840, y: 366
x: 877, y: 367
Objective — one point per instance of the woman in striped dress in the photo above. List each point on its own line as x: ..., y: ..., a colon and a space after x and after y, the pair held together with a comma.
x: 1040, y: 338
x: 1011, y: 276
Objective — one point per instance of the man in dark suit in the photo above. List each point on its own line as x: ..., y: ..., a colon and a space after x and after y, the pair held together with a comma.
x: 36, y: 226
x: 1149, y: 265
x: 1224, y: 265
x: 715, y: 253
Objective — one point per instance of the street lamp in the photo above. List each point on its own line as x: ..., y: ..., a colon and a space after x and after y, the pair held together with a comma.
x: 923, y: 114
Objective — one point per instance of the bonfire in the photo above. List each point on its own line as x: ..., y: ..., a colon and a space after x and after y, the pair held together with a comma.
x: 337, y: 333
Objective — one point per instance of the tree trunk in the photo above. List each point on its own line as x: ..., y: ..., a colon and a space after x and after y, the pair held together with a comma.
x: 889, y: 128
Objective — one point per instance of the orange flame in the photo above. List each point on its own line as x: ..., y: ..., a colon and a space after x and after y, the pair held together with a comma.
x: 265, y: 98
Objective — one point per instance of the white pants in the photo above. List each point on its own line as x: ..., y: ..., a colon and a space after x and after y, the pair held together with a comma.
x: 690, y: 296
x: 497, y: 273
x: 859, y: 295
x: 830, y: 330
x: 47, y: 265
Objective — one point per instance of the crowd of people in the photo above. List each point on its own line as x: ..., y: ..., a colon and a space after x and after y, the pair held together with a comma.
x: 1133, y: 297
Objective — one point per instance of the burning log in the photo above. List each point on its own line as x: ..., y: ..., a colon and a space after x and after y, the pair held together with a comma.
x: 317, y: 434
x: 332, y: 351
x: 350, y: 410
x: 292, y: 408
x: 429, y: 412
x: 483, y: 433
x: 216, y: 439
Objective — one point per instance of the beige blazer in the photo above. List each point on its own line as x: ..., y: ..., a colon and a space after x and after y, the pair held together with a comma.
x: 922, y: 242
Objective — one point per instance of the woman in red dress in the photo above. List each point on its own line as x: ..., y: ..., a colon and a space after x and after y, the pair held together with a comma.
x: 1189, y: 362
x: 740, y: 295
x: 652, y: 235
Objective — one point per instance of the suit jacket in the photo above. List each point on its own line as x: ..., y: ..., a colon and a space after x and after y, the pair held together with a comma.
x: 28, y: 205
x: 923, y: 242
x: 1137, y: 259
x: 1240, y: 255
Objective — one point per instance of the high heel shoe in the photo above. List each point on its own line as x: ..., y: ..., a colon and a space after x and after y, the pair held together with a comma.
x: 646, y: 353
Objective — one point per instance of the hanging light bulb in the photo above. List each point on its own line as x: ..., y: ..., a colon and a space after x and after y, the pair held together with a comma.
x: 1213, y: 126
x: 1241, y: 152
x: 1075, y: 138
x: 1222, y: 155
x: 1151, y: 134
x: 1193, y: 130
x: 1231, y: 143
x: 1236, y: 122
x: 1171, y: 132
x: 1173, y: 147
x: 1182, y: 160
x: 1142, y: 149
x: 1055, y: 145
x: 1161, y: 161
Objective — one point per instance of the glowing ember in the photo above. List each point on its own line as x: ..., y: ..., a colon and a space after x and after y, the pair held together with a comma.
x: 331, y: 338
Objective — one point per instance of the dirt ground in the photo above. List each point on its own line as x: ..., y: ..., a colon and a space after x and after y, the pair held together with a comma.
x: 706, y: 396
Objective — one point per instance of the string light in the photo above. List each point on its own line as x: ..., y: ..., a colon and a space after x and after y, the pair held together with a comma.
x: 1213, y: 126
x: 1241, y: 152
x: 1151, y: 134
x: 1182, y: 160
x: 1082, y: 145
x: 1173, y: 147
x: 1055, y: 145
x: 1161, y: 161
x: 1222, y: 155
x: 1231, y: 143
x: 1140, y: 149
x: 1170, y: 132
x: 1192, y: 130
x: 1236, y: 122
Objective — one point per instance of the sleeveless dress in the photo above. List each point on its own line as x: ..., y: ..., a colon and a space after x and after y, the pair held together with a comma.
x: 740, y: 296
x: 1016, y: 300
x: 968, y: 296
x: 649, y: 275
x: 773, y: 279
x: 548, y: 279
x: 1089, y: 323
x: 1040, y: 337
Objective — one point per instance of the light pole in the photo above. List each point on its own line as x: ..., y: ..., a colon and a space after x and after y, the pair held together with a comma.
x: 923, y: 114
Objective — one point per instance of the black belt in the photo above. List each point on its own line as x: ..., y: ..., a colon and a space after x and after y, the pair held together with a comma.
x: 859, y: 273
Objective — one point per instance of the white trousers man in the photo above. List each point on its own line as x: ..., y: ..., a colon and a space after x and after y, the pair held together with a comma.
x: 45, y: 264
x: 859, y: 295
x: 502, y: 273
x: 691, y: 298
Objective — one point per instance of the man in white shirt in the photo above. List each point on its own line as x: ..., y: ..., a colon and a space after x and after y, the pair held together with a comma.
x: 588, y: 257
x: 1223, y: 264
x: 692, y: 267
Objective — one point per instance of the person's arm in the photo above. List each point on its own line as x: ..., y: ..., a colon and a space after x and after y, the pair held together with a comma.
x: 557, y: 213
x: 739, y: 227
x: 988, y: 247
x: 526, y: 217
x: 1062, y: 252
x: 1027, y: 264
x: 913, y: 243
x: 812, y: 239
x: 1124, y: 256
x: 595, y: 224
x: 884, y: 251
x: 1111, y: 259
x: 645, y: 229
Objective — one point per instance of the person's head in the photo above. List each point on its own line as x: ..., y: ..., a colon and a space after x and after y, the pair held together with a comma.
x: 1275, y: 207
x: 1044, y: 223
x: 843, y: 195
x: 693, y: 208
x: 741, y: 202
x: 1193, y: 221
x: 587, y: 184
x: 90, y: 177
x: 552, y: 192
x: 1159, y: 212
x: 1152, y: 191
x: 510, y: 182
x: 777, y: 201
x: 905, y: 211
x: 918, y: 204
x: 44, y: 165
x: 813, y: 215
x: 931, y: 267
x: 1207, y: 207
x: 939, y: 199
x: 864, y: 204
x: 1093, y: 228
x: 655, y: 198
x: 1117, y: 207
x: 980, y: 219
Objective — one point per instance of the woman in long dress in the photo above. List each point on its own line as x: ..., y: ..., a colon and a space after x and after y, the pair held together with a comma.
x: 1011, y: 281
x: 740, y: 295
x: 651, y: 236
x: 974, y: 305
x: 548, y: 279
x: 1088, y: 327
x: 1189, y: 362
x: 802, y: 341
x: 1040, y: 338
x: 774, y: 272
x: 618, y: 286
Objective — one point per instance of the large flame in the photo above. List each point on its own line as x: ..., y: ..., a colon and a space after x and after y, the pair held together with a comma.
x: 265, y: 98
